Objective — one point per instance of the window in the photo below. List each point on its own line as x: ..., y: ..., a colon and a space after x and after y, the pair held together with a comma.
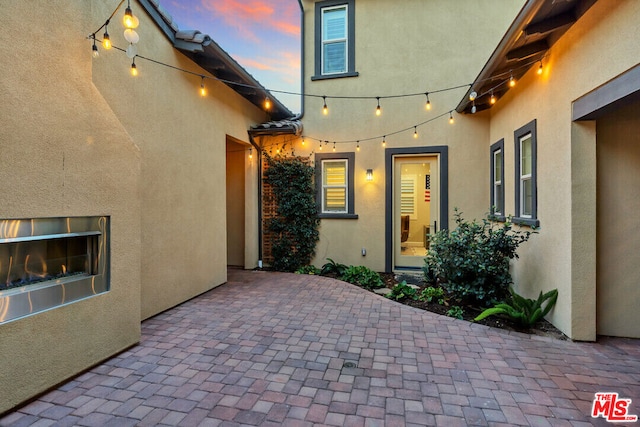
x: 497, y: 181
x: 526, y: 202
x: 334, y: 181
x: 334, y: 39
x: 408, y: 196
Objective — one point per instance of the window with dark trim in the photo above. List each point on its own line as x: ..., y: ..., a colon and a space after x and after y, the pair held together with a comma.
x: 526, y: 199
x: 497, y: 181
x: 334, y: 39
x: 335, y: 185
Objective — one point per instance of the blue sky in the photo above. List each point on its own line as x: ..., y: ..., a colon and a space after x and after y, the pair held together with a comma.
x: 262, y: 35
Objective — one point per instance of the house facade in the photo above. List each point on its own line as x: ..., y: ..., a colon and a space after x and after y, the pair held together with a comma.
x: 142, y: 160
x: 556, y: 151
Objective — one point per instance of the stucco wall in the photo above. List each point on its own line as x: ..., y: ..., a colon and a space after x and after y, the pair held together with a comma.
x: 437, y: 45
x: 63, y: 152
x: 183, y: 140
x: 618, y: 178
x: 601, y: 45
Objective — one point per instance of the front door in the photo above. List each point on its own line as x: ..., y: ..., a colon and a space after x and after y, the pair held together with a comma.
x: 416, y: 208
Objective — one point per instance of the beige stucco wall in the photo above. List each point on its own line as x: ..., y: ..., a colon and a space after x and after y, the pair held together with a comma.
x: 183, y: 140
x: 618, y: 178
x: 438, y: 45
x: 63, y: 152
x: 600, y: 46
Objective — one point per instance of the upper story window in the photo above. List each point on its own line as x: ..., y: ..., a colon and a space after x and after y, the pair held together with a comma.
x: 334, y: 181
x: 497, y: 180
x: 526, y: 202
x: 334, y: 39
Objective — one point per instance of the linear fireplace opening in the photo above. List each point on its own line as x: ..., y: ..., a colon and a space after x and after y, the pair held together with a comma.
x: 48, y: 262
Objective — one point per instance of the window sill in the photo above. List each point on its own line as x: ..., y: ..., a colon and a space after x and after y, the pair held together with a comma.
x: 337, y: 216
x: 498, y: 218
x: 334, y: 76
x: 531, y: 222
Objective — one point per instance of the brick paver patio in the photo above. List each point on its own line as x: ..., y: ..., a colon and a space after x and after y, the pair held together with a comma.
x: 285, y: 349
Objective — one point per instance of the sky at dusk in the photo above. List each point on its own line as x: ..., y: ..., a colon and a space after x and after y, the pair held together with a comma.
x: 263, y: 36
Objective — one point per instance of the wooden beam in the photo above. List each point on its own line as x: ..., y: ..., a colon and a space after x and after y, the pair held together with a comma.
x: 550, y: 24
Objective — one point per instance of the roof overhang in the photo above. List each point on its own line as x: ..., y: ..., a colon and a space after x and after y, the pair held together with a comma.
x: 274, y: 128
x: 537, y: 27
x: 205, y: 52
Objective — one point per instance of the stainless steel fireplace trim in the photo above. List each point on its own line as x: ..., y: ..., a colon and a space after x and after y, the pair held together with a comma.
x: 20, y: 302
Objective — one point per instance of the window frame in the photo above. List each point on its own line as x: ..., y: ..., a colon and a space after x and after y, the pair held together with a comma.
x: 350, y: 161
x: 320, y: 7
x: 519, y: 135
x: 495, y: 148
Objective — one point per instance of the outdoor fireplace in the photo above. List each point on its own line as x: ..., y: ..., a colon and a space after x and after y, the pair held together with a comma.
x: 48, y: 262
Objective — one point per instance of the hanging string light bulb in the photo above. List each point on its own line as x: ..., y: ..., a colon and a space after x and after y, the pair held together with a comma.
x: 512, y: 81
x: 473, y: 95
x: 451, y: 117
x: 250, y: 153
x: 540, y: 69
x: 127, y: 19
x: 357, y: 145
x: 474, y: 108
x: 303, y: 141
x: 428, y: 104
x: 415, y: 132
x: 106, y: 41
x: 384, y: 141
x: 267, y: 103
x: 325, y: 109
x: 378, y: 109
x: 492, y: 100
x: 334, y: 146
x: 94, y: 49
x: 134, y: 69
x: 203, y: 90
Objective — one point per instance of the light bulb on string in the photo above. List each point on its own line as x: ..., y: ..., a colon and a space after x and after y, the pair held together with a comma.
x: 267, y: 103
x: 428, y: 104
x: 473, y: 108
x: 320, y: 146
x: 94, y: 48
x: 378, y: 109
x: 473, y: 95
x: 250, y: 153
x: 334, y: 147
x: 134, y: 69
x: 325, y: 109
x: 451, y: 117
x: 415, y: 132
x: 384, y: 141
x: 540, y: 69
x: 357, y: 145
x: 128, y: 20
x: 203, y: 89
x: 106, y: 41
x: 303, y: 140
x: 492, y: 100
x: 512, y: 81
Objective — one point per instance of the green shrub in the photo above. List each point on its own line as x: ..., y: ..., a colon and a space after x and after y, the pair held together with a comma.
x: 308, y: 269
x: 430, y: 294
x: 522, y: 310
x: 295, y: 226
x: 362, y: 276
x: 402, y: 291
x: 334, y: 268
x: 456, y: 311
x: 472, y: 261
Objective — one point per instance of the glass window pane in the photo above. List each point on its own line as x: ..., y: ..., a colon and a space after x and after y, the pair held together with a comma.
x: 498, y: 199
x: 525, y: 154
x: 527, y: 197
x: 334, y: 24
x: 335, y: 57
x: 335, y: 199
x: 497, y: 166
x: 335, y: 173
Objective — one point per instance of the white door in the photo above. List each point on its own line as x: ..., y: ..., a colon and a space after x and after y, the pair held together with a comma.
x: 416, y: 207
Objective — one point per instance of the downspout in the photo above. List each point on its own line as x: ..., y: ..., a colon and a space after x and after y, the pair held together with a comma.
x: 302, y: 60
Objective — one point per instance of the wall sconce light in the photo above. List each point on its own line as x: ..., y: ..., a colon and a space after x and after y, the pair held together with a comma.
x: 369, y: 175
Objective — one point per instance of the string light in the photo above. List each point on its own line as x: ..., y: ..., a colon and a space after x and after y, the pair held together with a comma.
x: 203, y: 90
x: 334, y: 146
x: 94, y: 49
x: 358, y: 146
x: 267, y: 103
x: 415, y: 132
x: 473, y: 95
x: 106, y: 41
x: 473, y: 108
x: 250, y: 153
x: 428, y: 104
x: 512, y: 81
x: 134, y: 69
x: 303, y: 140
x: 540, y: 68
x: 451, y: 117
x: 325, y: 109
x: 384, y: 141
x: 378, y: 109
x: 492, y: 100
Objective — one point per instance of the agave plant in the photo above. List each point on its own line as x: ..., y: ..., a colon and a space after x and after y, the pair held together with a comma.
x: 523, y: 310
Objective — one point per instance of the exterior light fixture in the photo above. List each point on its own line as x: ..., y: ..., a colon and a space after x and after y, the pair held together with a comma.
x: 512, y: 81
x: 94, y: 49
x: 450, y: 117
x: 267, y: 103
x: 384, y: 141
x: 106, y: 41
x: 203, y: 90
x: 134, y: 69
x: 378, y: 109
x: 540, y: 69
x: 492, y: 100
x: 251, y: 153
x: 415, y: 132
x: 473, y: 108
x: 428, y: 104
x: 358, y: 146
x: 334, y: 146
x: 473, y: 95
x: 369, y: 175
x: 325, y: 109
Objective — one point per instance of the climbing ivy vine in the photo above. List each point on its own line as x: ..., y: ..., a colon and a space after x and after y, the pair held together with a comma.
x: 295, y: 227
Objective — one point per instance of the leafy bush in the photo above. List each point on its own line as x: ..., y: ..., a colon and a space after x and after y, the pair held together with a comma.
x: 362, y: 276
x: 523, y: 310
x: 456, y: 312
x: 402, y: 291
x: 334, y: 268
x: 308, y: 269
x: 295, y: 225
x: 472, y: 261
x: 430, y: 294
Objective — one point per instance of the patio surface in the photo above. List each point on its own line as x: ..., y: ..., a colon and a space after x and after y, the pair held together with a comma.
x: 276, y: 349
